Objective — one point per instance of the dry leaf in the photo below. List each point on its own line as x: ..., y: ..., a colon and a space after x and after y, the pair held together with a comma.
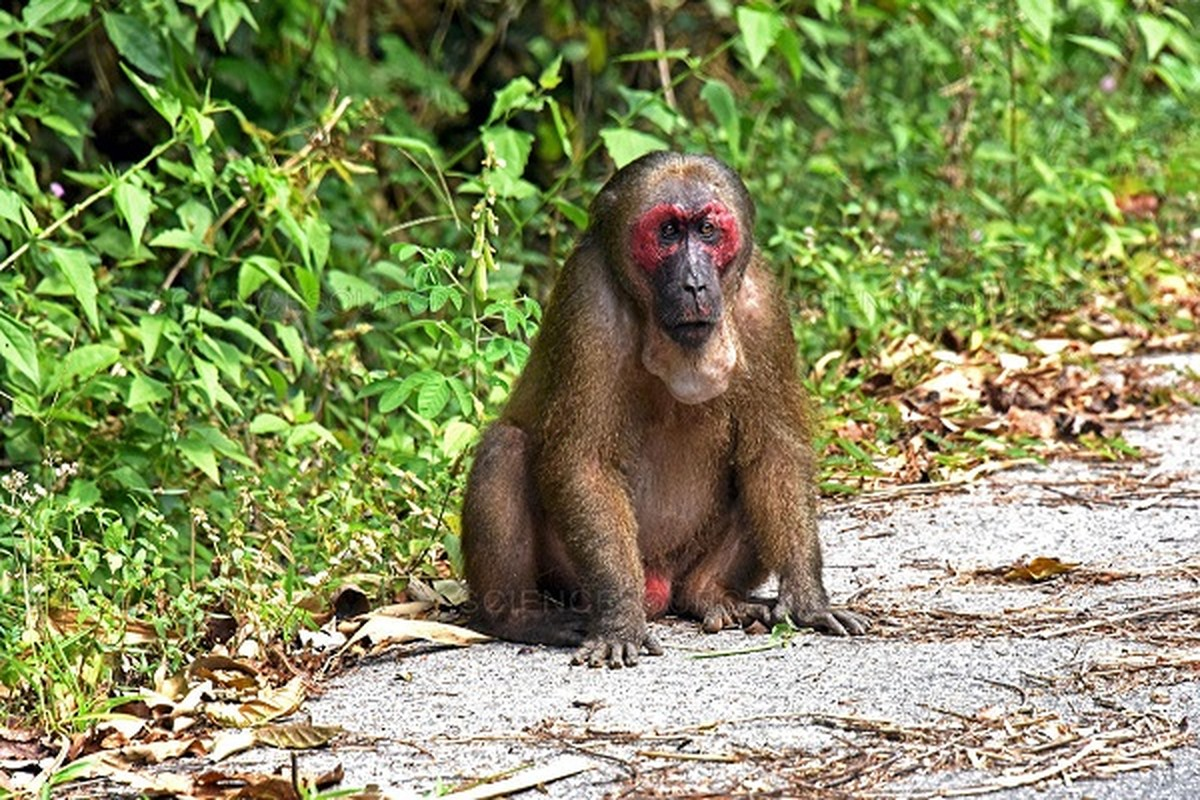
x: 563, y: 767
x: 1119, y: 346
x: 1031, y: 423
x: 453, y: 592
x: 1038, y: 569
x: 296, y: 737
x: 247, y: 786
x: 270, y: 704
x: 1050, y: 347
x: 1013, y: 362
x: 410, y: 610
x: 952, y: 384
x: 145, y: 782
x: 391, y: 630
x: 903, y: 351
x: 227, y: 743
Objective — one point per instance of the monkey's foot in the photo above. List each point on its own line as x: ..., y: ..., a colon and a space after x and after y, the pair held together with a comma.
x: 733, y: 614
x: 615, y: 651
x: 834, y: 621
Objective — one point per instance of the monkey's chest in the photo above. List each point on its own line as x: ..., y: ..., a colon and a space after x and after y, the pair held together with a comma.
x: 681, y: 484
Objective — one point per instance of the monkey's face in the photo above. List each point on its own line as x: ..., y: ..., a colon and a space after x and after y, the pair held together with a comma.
x: 684, y: 248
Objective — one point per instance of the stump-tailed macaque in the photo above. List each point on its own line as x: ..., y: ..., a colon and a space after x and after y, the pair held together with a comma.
x: 655, y: 454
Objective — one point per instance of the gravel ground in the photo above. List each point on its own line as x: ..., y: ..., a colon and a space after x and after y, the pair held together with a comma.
x: 970, y: 682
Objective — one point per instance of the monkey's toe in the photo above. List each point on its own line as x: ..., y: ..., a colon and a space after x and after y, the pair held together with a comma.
x: 833, y: 621
x: 615, y: 653
x: 734, y: 615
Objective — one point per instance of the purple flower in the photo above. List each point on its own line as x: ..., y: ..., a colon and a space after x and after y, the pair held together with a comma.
x: 1108, y: 84
x: 57, y: 189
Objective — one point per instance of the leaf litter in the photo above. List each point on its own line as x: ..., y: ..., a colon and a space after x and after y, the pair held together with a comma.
x: 221, y: 705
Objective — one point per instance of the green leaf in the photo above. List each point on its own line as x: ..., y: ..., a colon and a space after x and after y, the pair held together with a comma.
x: 457, y: 437
x: 41, y: 13
x: 144, y: 391
x: 151, y: 328
x: 201, y: 454
x: 310, y: 432
x: 515, y: 96
x: 76, y: 267
x: 310, y: 287
x: 269, y: 423
x: 724, y: 108
x: 234, y: 325
x: 226, y: 18
x: 351, y: 291
x: 251, y: 277
x: 432, y: 397
x: 760, y: 28
x: 289, y: 337
x: 625, y: 145
x: 223, y: 444
x: 576, y: 213
x: 10, y: 206
x: 318, y: 233
x: 178, y: 239
x: 257, y: 269
x: 512, y: 148
x: 1156, y: 32
x: 137, y: 43
x: 83, y: 363
x: 551, y: 77
x: 17, y: 348
x: 1098, y: 45
x: 1038, y: 16
x: 167, y: 105
x: 397, y: 394
x: 134, y: 205
x: 789, y: 47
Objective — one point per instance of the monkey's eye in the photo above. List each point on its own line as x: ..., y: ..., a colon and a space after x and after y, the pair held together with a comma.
x: 707, y: 231
x: 669, y: 231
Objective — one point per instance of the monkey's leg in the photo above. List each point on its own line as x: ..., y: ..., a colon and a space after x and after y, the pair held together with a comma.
x: 715, y: 589
x: 500, y: 549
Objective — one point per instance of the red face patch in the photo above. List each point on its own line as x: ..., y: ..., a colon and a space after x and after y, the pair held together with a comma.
x: 661, y: 230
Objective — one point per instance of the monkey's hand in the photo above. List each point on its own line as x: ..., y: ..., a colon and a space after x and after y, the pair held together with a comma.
x: 820, y: 616
x: 617, y: 645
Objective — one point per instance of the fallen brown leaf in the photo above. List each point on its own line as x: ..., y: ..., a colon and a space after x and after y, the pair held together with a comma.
x: 1038, y: 569
x: 296, y: 737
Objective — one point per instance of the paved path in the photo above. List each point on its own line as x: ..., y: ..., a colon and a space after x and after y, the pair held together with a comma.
x: 1095, y: 670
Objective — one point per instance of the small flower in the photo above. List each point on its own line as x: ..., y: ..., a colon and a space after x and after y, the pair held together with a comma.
x: 57, y: 189
x: 1108, y: 84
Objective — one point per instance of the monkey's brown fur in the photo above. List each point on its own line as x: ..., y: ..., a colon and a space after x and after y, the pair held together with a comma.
x: 655, y: 453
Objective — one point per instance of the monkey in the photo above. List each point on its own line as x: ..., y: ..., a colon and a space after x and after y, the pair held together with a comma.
x: 655, y: 453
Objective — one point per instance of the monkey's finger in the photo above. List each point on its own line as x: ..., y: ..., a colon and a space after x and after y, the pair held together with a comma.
x: 749, y: 613
x: 591, y: 654
x: 855, y: 624
x: 629, y: 653
x: 652, y: 646
x: 823, y: 621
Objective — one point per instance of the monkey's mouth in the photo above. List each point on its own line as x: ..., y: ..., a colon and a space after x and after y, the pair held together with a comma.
x: 692, y: 333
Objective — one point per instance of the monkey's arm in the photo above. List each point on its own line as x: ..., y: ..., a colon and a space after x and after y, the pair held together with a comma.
x: 778, y: 488
x: 777, y: 470
x: 580, y: 421
x: 587, y: 502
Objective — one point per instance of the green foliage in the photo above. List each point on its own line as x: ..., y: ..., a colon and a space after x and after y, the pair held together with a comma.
x: 226, y: 383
